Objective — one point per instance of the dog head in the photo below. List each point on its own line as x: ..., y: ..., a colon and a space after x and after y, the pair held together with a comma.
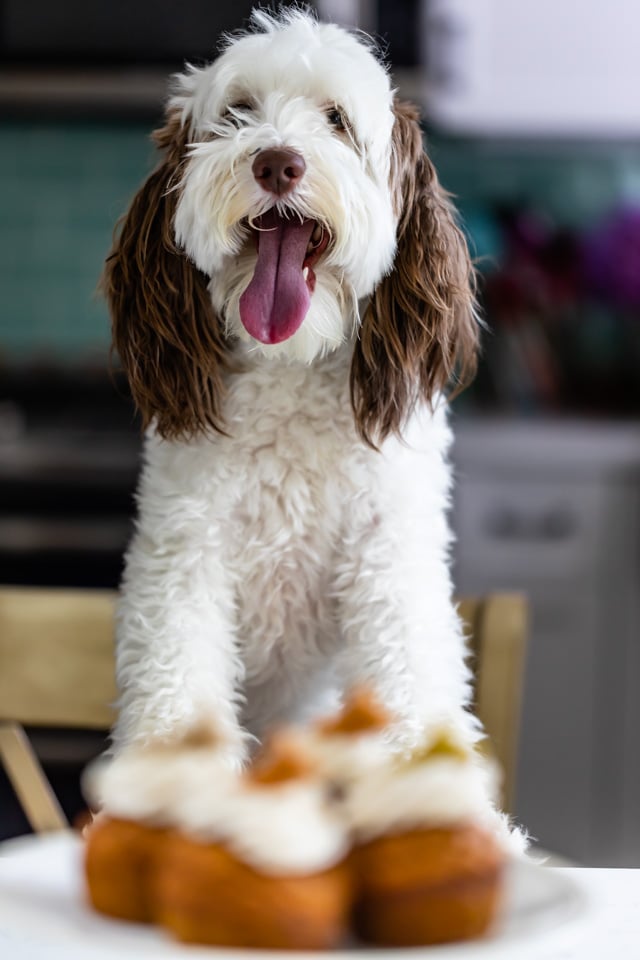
x: 293, y: 187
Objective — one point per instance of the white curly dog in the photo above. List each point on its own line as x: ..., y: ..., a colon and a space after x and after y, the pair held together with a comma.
x: 291, y: 298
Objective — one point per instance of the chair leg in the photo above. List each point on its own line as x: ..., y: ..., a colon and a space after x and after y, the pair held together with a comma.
x: 28, y: 779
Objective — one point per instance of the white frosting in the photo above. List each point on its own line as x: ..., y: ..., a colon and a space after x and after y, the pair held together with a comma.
x: 440, y: 791
x: 285, y: 828
x: 345, y: 757
x: 147, y: 784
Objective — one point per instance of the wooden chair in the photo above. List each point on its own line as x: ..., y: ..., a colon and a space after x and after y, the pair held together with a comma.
x: 57, y: 670
x: 497, y: 626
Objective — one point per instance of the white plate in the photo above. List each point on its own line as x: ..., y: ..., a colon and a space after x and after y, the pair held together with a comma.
x: 44, y: 915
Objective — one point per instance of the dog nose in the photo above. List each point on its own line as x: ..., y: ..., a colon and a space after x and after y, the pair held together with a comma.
x: 278, y: 171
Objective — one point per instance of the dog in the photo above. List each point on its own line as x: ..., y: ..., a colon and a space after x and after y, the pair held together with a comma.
x: 292, y: 300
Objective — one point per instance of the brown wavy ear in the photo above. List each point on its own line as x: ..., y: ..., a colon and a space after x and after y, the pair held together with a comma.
x: 164, y: 327
x: 420, y: 331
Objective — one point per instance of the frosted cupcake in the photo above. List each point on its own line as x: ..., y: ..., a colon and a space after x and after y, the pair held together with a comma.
x: 429, y: 868
x: 137, y: 795
x: 267, y: 869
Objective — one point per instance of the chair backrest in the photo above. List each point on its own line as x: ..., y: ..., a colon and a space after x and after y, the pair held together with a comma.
x: 56, y: 657
x: 57, y: 670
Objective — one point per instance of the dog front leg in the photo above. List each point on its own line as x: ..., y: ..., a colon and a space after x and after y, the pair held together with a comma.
x: 177, y: 663
x: 402, y: 634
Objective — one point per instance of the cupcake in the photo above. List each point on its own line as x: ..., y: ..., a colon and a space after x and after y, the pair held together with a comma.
x: 118, y: 867
x: 429, y: 866
x: 266, y: 868
x: 136, y: 794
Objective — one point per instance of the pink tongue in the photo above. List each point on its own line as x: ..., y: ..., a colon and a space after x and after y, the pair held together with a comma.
x: 277, y: 299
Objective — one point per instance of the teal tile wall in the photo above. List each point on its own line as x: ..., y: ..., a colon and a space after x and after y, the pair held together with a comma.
x: 64, y: 185
x: 572, y: 183
x: 62, y: 188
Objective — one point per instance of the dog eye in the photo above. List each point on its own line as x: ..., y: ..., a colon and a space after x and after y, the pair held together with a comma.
x: 336, y: 118
x: 234, y: 111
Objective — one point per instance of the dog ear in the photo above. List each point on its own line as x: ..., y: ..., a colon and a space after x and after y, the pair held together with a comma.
x: 165, y: 330
x: 420, y: 331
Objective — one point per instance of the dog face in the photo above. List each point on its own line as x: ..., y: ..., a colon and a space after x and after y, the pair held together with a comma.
x: 285, y: 200
x: 293, y: 186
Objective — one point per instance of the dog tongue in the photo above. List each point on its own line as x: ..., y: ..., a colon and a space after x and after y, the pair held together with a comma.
x: 277, y: 299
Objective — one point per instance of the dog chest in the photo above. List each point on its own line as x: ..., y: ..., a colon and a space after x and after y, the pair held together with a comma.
x: 285, y: 536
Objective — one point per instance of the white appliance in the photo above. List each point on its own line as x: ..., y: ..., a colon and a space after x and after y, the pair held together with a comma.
x: 533, y: 67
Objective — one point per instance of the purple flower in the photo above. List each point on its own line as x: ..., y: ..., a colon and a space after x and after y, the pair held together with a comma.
x: 611, y: 258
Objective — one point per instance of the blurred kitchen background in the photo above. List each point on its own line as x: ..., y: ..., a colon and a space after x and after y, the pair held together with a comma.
x: 532, y: 117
